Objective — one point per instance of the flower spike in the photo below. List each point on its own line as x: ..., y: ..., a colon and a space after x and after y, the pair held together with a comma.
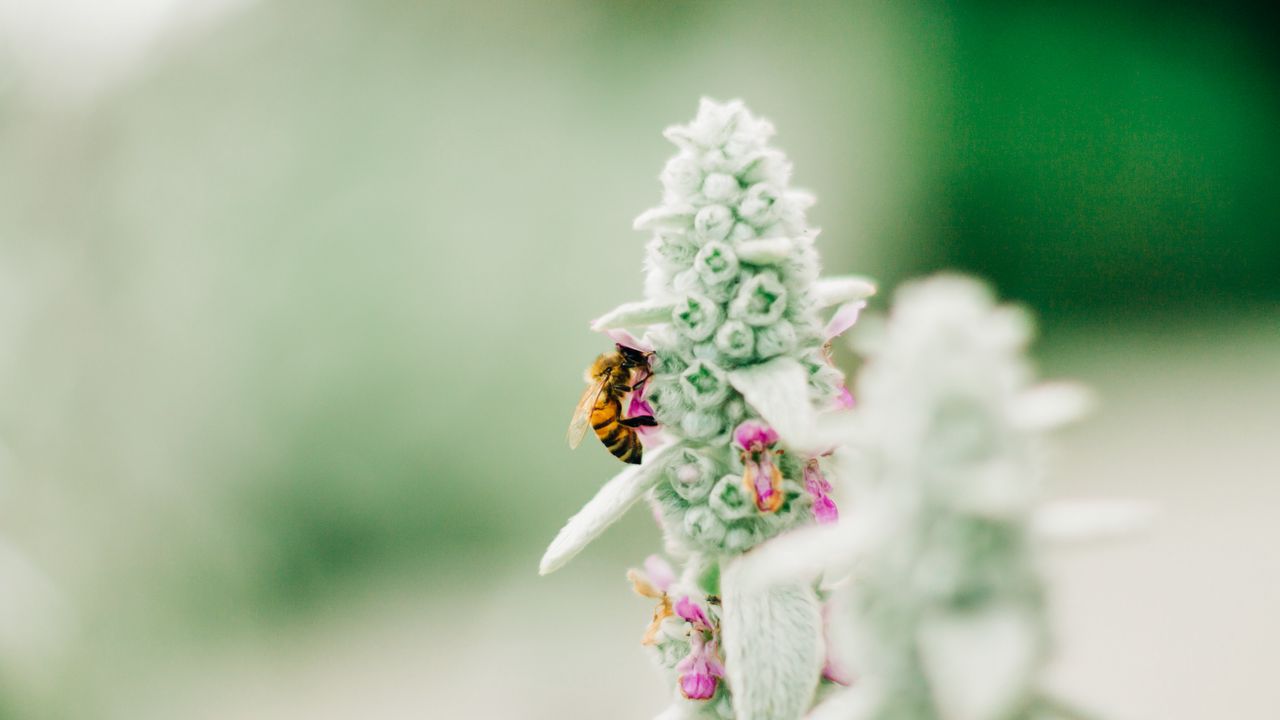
x: 732, y: 326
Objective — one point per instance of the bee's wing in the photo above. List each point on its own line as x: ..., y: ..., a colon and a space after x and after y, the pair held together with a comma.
x: 582, y: 414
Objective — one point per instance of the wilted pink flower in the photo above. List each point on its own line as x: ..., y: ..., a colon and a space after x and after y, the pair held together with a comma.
x: 701, y: 670
x: 653, y: 582
x: 760, y: 475
x: 824, y: 508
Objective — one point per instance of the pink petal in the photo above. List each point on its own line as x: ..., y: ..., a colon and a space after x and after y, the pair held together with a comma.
x: 639, y: 407
x: 660, y: 572
x: 824, y: 508
x: 844, y: 318
x: 622, y: 337
x: 692, y: 612
x: 844, y: 400
x: 700, y: 670
x: 713, y: 661
x: 753, y: 432
x: 698, y: 686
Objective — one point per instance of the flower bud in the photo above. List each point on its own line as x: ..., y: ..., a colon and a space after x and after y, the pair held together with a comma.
x: 692, y: 475
x: 681, y: 177
x: 736, y: 340
x: 734, y: 410
x: 696, y: 317
x: 742, y: 536
x: 729, y: 500
x: 776, y: 339
x: 742, y: 232
x: 706, y: 350
x: 674, y: 250
x: 705, y: 384
x: 668, y: 399
x: 702, y: 525
x: 758, y: 207
x: 721, y: 188
x: 760, y: 300
x: 713, y: 222
x: 768, y: 166
x: 702, y: 425
x: 716, y: 263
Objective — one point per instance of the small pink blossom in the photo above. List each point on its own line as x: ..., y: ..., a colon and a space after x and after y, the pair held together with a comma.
x: 760, y: 474
x: 844, y: 399
x: 701, y: 670
x: 754, y: 436
x: 844, y: 318
x: 824, y: 508
x: 693, y: 613
x: 626, y: 339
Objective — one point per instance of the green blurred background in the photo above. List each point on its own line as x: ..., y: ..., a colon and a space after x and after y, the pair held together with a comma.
x: 293, y: 305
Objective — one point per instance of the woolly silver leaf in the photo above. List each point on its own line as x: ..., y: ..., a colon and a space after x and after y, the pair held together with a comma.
x: 610, y: 503
x: 773, y: 648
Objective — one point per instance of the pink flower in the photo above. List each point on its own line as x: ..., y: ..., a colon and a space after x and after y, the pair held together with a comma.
x: 760, y: 474
x: 844, y: 400
x: 693, y: 613
x: 843, y: 319
x: 638, y: 406
x: 626, y: 339
x: 755, y: 436
x: 824, y: 508
x: 701, y: 670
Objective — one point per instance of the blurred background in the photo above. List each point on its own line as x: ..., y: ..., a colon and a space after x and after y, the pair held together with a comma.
x: 293, y: 308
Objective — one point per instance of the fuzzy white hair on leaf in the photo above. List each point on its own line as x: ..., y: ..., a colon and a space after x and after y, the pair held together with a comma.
x: 773, y: 648
x: 607, y: 507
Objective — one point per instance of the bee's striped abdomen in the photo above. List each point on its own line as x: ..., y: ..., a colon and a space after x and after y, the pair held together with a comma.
x: 620, y: 440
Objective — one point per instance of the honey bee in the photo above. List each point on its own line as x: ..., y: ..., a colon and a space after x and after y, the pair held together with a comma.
x: 611, y: 377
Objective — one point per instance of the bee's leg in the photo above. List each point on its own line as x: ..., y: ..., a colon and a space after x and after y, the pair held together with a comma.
x: 642, y: 421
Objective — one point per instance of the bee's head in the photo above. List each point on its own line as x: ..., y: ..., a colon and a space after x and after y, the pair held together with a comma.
x: 603, y: 366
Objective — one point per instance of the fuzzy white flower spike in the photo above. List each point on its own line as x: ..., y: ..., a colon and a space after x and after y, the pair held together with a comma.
x: 737, y: 370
